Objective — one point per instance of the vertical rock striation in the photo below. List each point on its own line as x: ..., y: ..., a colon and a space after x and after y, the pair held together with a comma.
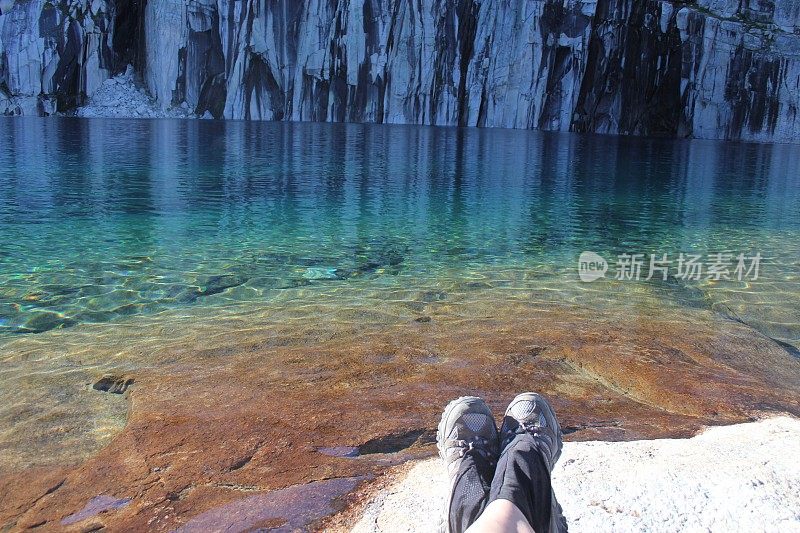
x: 52, y: 54
x: 704, y: 68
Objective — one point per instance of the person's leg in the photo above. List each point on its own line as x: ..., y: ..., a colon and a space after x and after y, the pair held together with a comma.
x: 501, y: 516
x: 531, y: 445
x: 468, y: 441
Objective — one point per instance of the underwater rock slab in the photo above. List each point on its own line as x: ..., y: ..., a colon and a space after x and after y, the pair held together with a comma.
x: 96, y: 505
x: 292, y: 508
x: 223, y: 410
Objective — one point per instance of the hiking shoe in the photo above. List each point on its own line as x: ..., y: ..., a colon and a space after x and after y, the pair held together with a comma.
x: 467, y: 440
x: 531, y: 413
x: 467, y: 424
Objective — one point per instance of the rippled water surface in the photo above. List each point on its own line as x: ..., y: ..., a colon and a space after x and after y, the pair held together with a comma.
x: 105, y: 221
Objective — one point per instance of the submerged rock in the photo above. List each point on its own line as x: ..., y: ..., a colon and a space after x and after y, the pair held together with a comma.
x: 212, y: 426
x: 314, y: 273
x: 95, y: 506
x: 41, y: 321
x: 348, y: 452
x: 289, y: 509
x: 217, y: 284
x: 113, y: 384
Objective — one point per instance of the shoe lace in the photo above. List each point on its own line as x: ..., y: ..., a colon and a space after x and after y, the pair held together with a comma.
x: 522, y: 428
x: 527, y: 427
x: 476, y: 444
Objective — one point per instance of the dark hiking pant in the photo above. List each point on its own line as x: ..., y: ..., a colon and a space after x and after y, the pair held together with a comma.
x: 521, y: 477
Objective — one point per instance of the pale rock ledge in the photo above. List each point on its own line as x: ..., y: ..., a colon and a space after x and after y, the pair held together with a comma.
x: 744, y: 477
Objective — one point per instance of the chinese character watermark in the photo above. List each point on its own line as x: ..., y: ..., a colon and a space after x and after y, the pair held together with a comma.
x: 719, y: 266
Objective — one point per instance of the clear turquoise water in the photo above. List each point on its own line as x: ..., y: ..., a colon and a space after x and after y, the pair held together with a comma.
x: 106, y: 220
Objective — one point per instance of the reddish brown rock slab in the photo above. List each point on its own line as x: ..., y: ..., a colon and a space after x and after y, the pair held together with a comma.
x: 235, y: 434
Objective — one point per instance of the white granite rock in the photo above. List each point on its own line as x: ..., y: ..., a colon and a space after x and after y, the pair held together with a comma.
x: 166, y: 26
x: 735, y: 478
x: 718, y: 69
x: 120, y: 97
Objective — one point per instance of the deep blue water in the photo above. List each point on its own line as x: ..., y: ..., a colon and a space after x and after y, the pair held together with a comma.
x: 104, y: 220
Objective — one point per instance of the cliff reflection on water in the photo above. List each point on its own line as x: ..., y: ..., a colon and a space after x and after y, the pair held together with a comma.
x: 103, y: 220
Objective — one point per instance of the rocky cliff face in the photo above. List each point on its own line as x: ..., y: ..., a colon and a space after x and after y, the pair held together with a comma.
x: 725, y: 69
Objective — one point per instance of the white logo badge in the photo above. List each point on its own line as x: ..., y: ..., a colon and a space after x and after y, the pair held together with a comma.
x: 591, y: 267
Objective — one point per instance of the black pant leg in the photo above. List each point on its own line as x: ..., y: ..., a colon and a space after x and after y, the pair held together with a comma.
x: 523, y: 479
x: 470, y: 492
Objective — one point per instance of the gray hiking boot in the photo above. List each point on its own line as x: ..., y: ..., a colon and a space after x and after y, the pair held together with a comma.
x: 467, y: 440
x: 531, y: 413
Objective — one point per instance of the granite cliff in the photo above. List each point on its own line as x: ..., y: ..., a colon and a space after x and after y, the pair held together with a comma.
x: 727, y: 69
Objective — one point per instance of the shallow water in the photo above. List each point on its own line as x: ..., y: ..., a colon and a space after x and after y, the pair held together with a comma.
x: 103, y: 221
